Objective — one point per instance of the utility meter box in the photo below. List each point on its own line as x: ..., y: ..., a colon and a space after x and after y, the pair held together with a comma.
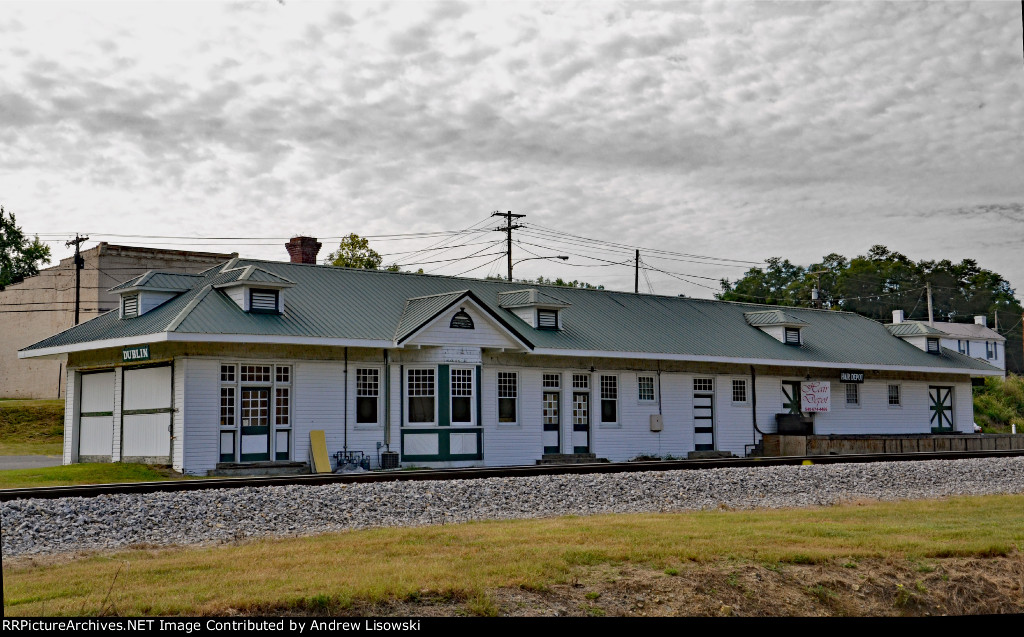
x: 657, y: 422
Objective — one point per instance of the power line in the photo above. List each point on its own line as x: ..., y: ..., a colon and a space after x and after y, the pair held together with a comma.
x: 480, y: 266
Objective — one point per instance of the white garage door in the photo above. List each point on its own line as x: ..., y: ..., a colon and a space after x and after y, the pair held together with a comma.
x: 146, y: 415
x: 96, y: 417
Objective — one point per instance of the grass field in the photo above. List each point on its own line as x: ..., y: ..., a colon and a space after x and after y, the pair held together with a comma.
x: 88, y: 473
x: 336, y: 573
x: 31, y: 427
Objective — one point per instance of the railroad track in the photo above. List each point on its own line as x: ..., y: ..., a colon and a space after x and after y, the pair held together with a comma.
x: 93, y: 490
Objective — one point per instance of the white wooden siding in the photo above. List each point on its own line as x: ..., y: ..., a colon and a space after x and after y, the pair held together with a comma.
x: 72, y: 401
x: 200, y: 414
x: 486, y: 333
x: 151, y: 300
x: 177, y: 417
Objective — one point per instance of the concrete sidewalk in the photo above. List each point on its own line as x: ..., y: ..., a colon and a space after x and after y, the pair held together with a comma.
x: 28, y: 462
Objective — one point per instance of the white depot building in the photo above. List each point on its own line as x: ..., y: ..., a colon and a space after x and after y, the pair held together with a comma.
x: 239, y: 363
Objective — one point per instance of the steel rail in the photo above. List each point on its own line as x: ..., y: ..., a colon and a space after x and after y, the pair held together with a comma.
x: 475, y: 473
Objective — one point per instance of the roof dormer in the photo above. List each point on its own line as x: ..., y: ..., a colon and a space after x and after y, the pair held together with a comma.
x: 920, y: 335
x: 149, y: 291
x: 256, y: 290
x: 540, y: 310
x: 780, y: 325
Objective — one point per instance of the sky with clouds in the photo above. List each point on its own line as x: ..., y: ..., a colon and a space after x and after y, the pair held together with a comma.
x: 736, y: 130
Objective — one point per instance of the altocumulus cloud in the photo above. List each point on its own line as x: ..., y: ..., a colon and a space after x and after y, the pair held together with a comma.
x: 710, y: 128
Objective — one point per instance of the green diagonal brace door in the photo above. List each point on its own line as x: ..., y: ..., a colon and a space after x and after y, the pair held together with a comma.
x: 940, y: 403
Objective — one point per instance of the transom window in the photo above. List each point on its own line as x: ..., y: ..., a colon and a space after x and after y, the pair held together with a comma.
x: 739, y: 390
x: 645, y: 388
x: 462, y: 395
x: 255, y: 373
x: 580, y: 381
x: 227, y: 373
x: 283, y: 374
x: 508, y: 392
x: 852, y: 394
x: 367, y: 395
x: 421, y: 391
x: 894, y: 395
x: 703, y: 384
x: 552, y: 381
x: 609, y: 399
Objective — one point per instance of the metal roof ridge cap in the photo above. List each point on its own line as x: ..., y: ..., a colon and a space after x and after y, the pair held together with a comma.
x: 185, y: 311
x: 230, y: 265
x: 430, y: 296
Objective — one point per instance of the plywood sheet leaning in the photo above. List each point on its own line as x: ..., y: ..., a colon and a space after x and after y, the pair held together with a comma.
x: 318, y: 450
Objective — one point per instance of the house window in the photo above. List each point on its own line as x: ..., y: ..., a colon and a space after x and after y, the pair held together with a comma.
x: 263, y: 301
x: 645, y: 388
x: 933, y: 346
x: 703, y: 384
x: 420, y: 383
x: 282, y: 407
x: 968, y: 343
x: 367, y: 395
x: 739, y: 390
x: 995, y: 351
x: 255, y: 373
x: 552, y: 381
x: 227, y: 406
x: 462, y: 395
x: 508, y: 392
x: 227, y: 373
x: 609, y: 399
x: 547, y: 319
x: 852, y: 395
x: 580, y: 381
x: 894, y: 396
x: 131, y: 305
x: 960, y: 347
x: 792, y: 336
x: 988, y: 349
x: 283, y: 374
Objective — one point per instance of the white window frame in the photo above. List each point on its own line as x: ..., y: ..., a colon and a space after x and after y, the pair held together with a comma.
x: 272, y: 385
x: 960, y: 347
x: 497, y: 397
x: 406, y: 396
x: 856, y: 386
x: 654, y: 389
x: 899, y: 395
x: 473, y: 417
x: 988, y: 350
x: 746, y: 391
x: 380, y: 394
x: 618, y: 401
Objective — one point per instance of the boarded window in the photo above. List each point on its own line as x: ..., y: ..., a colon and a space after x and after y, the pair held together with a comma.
x: 263, y: 301
x: 421, y: 395
x: 547, y: 319
x: 367, y: 395
x: 609, y: 399
x: 462, y: 395
x: 645, y: 388
x: 131, y: 305
x: 792, y: 336
x: 508, y: 393
x: 739, y: 390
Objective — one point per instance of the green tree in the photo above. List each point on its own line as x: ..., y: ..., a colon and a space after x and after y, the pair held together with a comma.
x: 355, y: 252
x: 19, y: 257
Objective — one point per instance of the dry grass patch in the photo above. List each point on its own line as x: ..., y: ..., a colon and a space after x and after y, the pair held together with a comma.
x: 31, y: 427
x: 464, y: 563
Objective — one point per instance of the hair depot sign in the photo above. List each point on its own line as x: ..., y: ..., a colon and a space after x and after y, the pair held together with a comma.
x: 815, y: 396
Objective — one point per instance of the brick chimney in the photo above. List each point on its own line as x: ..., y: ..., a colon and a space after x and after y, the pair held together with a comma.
x: 303, y: 249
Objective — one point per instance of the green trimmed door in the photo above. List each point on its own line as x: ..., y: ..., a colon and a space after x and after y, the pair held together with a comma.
x: 940, y: 403
x: 581, y: 422
x: 791, y: 396
x: 255, y: 443
x: 552, y: 422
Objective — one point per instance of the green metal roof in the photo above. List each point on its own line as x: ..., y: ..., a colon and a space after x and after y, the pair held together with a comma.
x: 179, y: 281
x: 913, y: 328
x: 381, y: 306
x: 521, y: 298
x: 765, y: 318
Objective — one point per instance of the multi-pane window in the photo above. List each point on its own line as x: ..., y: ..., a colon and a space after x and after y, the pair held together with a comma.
x: 227, y: 373
x: 282, y: 407
x: 255, y: 408
x: 609, y: 399
x: 367, y: 395
x: 645, y: 388
x: 551, y: 408
x: 894, y: 395
x: 421, y: 395
x: 852, y: 394
x: 462, y: 395
x: 227, y: 406
x: 255, y: 373
x: 580, y: 381
x: 552, y: 381
x: 508, y: 392
x: 703, y: 384
x: 739, y: 390
x: 283, y: 374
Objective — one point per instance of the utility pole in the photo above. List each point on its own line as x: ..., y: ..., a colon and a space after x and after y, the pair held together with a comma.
x: 636, y: 275
x: 816, y: 292
x: 931, y: 315
x: 508, y: 228
x: 79, y: 264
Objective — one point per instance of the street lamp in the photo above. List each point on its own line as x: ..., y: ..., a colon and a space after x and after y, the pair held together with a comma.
x: 560, y: 256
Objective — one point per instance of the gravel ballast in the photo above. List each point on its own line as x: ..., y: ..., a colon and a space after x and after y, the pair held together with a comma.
x: 40, y: 526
